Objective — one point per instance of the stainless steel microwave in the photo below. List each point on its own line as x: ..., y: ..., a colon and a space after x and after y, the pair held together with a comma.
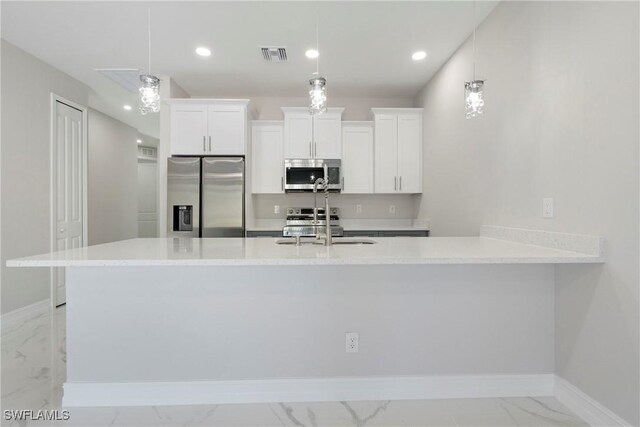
x: 300, y: 174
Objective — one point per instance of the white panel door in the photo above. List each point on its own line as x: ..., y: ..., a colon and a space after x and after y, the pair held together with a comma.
x: 189, y: 129
x: 147, y: 199
x: 386, y: 153
x: 357, y: 158
x: 409, y: 153
x: 267, y: 156
x: 298, y: 137
x: 327, y: 133
x: 226, y: 130
x: 68, y: 187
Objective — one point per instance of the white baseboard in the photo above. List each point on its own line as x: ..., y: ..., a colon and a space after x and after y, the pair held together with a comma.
x: 585, y: 406
x: 306, y: 390
x: 13, y: 319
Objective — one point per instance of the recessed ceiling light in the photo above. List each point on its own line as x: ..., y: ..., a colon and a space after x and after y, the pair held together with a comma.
x: 203, y: 51
x: 417, y: 56
x: 127, y: 107
x: 139, y: 141
x: 312, y: 53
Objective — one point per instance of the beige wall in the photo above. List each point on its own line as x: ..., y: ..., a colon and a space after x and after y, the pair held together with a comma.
x: 113, y: 178
x: 268, y: 108
x: 561, y: 121
x: 27, y: 84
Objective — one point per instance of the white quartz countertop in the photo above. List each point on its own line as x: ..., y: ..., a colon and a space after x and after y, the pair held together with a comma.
x: 353, y: 225
x: 265, y: 251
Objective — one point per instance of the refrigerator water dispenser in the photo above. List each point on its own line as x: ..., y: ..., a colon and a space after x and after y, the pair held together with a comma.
x: 182, y: 218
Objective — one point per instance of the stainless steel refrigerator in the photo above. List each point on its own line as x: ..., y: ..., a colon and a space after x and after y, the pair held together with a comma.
x: 205, y: 197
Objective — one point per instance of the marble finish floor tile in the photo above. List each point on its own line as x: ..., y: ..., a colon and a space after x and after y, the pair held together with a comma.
x: 34, y: 369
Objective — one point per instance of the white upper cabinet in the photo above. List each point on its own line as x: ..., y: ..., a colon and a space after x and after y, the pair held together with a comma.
x: 357, y: 157
x: 267, y: 157
x: 298, y: 134
x: 312, y: 137
x: 398, y: 150
x: 208, y: 127
x: 327, y: 129
x: 188, y: 129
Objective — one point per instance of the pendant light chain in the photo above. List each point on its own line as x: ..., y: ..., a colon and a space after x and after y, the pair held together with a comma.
x: 149, y: 37
x: 317, y: 46
x: 150, y: 84
x: 474, y: 39
x: 474, y: 89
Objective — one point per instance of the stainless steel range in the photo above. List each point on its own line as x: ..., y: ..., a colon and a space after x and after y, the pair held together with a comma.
x: 300, y: 222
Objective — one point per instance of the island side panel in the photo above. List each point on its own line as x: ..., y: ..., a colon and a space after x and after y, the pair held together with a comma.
x: 134, y: 324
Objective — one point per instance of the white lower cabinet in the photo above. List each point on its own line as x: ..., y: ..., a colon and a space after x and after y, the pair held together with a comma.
x: 357, y: 157
x: 398, y: 150
x: 267, y: 157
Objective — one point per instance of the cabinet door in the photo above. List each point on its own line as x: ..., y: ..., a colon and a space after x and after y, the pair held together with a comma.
x: 409, y: 153
x: 357, y: 159
x: 386, y: 153
x: 298, y: 128
x: 267, y: 161
x: 188, y: 129
x: 226, y: 130
x: 327, y: 136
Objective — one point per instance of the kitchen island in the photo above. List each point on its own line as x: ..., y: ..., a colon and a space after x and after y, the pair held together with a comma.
x: 192, y: 321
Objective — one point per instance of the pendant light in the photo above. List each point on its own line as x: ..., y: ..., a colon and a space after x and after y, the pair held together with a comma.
x: 318, y: 84
x: 474, y: 90
x: 150, y: 84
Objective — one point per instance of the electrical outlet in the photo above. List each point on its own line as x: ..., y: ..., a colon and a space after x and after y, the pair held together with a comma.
x: 352, y: 342
x: 547, y: 207
x: 392, y: 209
x: 358, y: 208
x: 276, y: 209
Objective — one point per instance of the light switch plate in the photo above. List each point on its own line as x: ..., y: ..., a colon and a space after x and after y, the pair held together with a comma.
x: 276, y: 209
x: 358, y: 208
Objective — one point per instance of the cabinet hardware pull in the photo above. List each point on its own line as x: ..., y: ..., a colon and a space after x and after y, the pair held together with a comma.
x: 204, y: 143
x: 315, y: 148
x: 343, y: 183
x: 310, y: 152
x: 282, y: 183
x: 209, y: 143
x: 400, y: 183
x: 395, y: 183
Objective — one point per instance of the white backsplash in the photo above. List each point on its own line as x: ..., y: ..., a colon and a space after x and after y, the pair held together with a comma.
x: 374, y: 206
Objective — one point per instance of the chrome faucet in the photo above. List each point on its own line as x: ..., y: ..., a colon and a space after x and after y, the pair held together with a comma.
x: 324, y: 182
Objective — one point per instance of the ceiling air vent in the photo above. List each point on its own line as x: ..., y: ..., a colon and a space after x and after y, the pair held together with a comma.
x: 128, y: 78
x: 274, y: 54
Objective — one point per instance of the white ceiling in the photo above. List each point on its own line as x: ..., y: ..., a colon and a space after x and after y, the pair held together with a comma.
x: 365, y: 46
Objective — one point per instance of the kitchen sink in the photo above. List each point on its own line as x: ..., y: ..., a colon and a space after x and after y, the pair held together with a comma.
x: 336, y: 241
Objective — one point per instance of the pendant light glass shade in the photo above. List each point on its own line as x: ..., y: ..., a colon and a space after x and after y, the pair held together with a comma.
x: 473, y: 93
x: 149, y: 94
x: 317, y: 95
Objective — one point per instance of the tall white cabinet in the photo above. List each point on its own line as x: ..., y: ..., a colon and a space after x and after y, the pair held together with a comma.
x: 357, y: 157
x: 398, y: 150
x: 208, y: 126
x: 312, y: 137
x: 267, y: 157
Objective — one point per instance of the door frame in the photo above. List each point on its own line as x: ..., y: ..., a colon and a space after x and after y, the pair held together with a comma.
x: 52, y: 182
